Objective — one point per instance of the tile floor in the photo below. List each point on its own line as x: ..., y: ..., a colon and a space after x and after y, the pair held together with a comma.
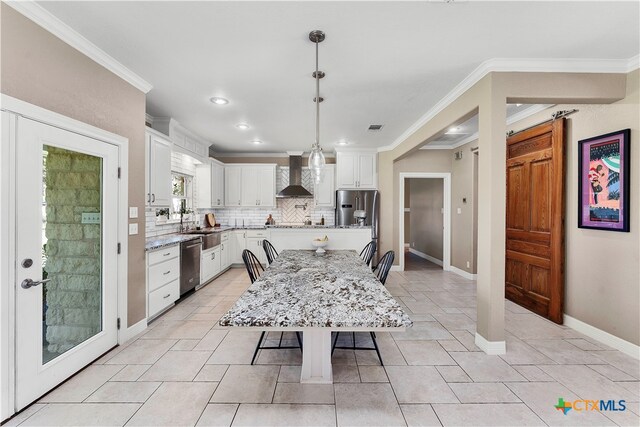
x: 185, y: 370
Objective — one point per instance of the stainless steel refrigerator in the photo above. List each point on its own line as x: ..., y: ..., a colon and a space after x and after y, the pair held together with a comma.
x: 349, y: 201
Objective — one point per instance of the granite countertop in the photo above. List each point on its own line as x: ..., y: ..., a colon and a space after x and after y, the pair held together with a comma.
x: 158, y: 242
x: 337, y: 227
x: 300, y: 289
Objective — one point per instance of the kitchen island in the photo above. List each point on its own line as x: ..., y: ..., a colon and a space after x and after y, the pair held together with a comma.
x: 317, y: 295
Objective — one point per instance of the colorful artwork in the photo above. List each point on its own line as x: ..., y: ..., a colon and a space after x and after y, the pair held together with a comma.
x: 604, y: 182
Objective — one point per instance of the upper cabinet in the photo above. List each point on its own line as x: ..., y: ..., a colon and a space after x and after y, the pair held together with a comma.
x: 217, y: 184
x: 158, y: 179
x: 210, y: 184
x: 250, y: 185
x: 357, y: 170
x: 232, y: 186
x: 324, y: 192
x: 183, y: 139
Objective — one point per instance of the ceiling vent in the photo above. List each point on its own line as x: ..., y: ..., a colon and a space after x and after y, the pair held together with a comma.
x: 375, y: 128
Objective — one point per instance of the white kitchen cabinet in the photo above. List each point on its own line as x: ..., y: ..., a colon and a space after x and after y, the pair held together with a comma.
x: 250, y: 185
x: 206, y: 266
x: 158, y: 173
x: 238, y: 244
x: 163, y: 279
x: 324, y: 192
x: 266, y: 186
x: 203, y: 185
x: 254, y: 240
x: 217, y: 184
x: 357, y: 170
x: 232, y: 186
x: 225, y: 252
x: 210, y: 265
x: 210, y: 185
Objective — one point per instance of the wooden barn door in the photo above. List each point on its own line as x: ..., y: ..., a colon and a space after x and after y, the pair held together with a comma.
x: 535, y: 219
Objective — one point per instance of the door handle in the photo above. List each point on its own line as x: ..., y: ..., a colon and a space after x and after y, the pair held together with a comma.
x: 28, y: 283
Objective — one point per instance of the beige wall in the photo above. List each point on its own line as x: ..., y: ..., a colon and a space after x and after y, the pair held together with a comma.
x: 426, y: 203
x: 488, y: 98
x: 602, y: 280
x: 40, y: 69
x: 462, y: 224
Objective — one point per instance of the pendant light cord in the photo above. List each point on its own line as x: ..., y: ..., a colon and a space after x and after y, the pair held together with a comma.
x: 317, y: 100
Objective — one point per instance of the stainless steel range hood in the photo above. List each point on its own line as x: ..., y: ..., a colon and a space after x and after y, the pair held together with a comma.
x: 295, y: 188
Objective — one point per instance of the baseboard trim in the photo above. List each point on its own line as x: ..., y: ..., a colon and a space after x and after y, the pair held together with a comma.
x: 462, y: 273
x: 132, y: 331
x: 604, y: 337
x: 395, y: 268
x: 490, y: 347
x: 425, y: 256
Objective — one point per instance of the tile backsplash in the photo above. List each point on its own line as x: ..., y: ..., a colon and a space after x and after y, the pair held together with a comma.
x: 285, y: 211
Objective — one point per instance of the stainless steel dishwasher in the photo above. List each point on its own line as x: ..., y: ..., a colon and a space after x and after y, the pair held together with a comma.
x: 190, y: 264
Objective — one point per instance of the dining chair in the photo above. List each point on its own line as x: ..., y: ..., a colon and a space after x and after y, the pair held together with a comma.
x: 381, y: 271
x: 269, y: 250
x: 255, y: 269
x: 368, y: 252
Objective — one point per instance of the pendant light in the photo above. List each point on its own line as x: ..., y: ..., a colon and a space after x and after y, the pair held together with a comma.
x: 316, y: 158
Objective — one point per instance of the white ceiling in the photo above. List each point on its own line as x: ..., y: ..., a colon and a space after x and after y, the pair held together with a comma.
x: 386, y: 62
x: 467, y: 131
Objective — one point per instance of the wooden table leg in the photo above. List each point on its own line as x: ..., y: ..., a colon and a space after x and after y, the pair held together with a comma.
x: 316, y: 357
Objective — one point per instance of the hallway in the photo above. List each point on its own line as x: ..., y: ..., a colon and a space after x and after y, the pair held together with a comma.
x: 413, y: 262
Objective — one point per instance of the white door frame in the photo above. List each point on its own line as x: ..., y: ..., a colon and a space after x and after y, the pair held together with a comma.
x: 446, y: 217
x: 11, y: 109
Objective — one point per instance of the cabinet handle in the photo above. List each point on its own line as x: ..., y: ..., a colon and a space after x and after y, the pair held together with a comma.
x: 213, y: 255
x: 222, y: 245
x: 167, y: 254
x: 148, y: 197
x: 154, y: 198
x: 166, y: 273
x: 166, y: 296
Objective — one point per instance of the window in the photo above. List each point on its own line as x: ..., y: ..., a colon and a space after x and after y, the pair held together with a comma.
x: 181, y: 199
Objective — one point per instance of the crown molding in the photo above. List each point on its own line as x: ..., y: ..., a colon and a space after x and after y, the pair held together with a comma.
x: 55, y: 26
x: 518, y: 65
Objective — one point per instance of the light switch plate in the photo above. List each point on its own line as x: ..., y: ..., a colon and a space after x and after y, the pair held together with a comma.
x: 133, y: 229
x: 459, y: 211
x: 133, y: 212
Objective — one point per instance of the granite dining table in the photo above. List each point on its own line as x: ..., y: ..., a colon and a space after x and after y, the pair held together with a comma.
x: 301, y: 291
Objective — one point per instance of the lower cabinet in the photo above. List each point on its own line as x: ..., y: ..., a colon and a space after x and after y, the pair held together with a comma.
x: 216, y: 260
x: 163, y: 279
x: 210, y: 265
x: 237, y: 239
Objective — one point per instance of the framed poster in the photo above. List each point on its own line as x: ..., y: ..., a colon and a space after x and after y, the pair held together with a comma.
x: 603, y: 181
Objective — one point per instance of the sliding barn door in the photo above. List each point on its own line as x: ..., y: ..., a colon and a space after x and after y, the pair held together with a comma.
x: 535, y: 219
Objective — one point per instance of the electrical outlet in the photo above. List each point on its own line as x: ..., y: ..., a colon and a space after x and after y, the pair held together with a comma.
x: 459, y: 211
x: 133, y: 212
x: 468, y: 264
x: 91, y: 217
x: 413, y: 244
x: 133, y: 229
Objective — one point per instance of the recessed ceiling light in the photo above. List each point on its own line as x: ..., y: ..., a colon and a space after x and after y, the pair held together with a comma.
x: 242, y: 126
x: 257, y: 141
x: 342, y: 142
x: 219, y: 101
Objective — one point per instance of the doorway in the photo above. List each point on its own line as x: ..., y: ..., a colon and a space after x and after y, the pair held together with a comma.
x: 429, y: 218
x: 65, y: 223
